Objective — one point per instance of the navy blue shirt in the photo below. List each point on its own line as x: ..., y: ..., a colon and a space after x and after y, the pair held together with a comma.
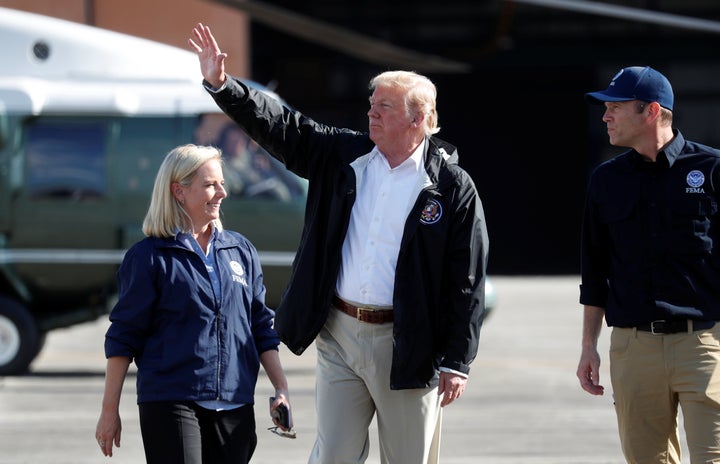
x: 649, y: 236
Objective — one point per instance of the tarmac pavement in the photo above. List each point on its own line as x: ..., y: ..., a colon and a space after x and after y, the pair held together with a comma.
x: 523, y: 403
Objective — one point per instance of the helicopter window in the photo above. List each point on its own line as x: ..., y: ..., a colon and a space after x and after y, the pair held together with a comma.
x: 65, y: 159
x: 250, y: 172
x: 142, y: 143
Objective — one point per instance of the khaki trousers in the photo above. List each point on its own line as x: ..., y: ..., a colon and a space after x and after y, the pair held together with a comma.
x: 654, y: 374
x: 353, y: 385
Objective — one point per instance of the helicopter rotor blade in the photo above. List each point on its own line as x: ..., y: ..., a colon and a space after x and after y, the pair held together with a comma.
x: 628, y: 13
x: 342, y: 39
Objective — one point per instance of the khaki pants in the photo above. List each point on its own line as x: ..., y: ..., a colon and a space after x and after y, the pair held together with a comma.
x: 654, y: 374
x: 353, y: 384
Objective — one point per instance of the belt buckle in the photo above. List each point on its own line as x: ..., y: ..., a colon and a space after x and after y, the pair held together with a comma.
x: 360, y: 310
x: 652, y: 327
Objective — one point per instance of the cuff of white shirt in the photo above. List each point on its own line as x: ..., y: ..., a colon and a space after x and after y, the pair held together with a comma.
x: 213, y: 89
x: 453, y: 371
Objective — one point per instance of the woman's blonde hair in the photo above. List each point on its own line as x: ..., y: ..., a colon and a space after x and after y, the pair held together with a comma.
x: 420, y: 95
x: 166, y: 216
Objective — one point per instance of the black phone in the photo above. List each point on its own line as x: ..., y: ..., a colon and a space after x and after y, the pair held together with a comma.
x: 280, y: 413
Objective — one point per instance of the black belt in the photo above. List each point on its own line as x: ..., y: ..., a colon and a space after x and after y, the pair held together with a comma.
x: 674, y: 326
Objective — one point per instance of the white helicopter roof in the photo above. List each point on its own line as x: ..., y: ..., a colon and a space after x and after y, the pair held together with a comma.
x: 55, y: 66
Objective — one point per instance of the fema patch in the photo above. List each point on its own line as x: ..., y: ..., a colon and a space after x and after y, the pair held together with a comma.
x: 239, y: 273
x: 695, y: 178
x: 431, y: 212
x: 237, y: 268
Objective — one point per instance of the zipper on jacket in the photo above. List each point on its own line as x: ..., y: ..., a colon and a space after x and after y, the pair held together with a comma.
x: 219, y: 361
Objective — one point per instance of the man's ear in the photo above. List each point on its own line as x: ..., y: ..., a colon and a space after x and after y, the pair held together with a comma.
x: 654, y: 109
x: 418, y: 119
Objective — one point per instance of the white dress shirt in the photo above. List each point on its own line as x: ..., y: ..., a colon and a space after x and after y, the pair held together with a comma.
x: 383, y: 200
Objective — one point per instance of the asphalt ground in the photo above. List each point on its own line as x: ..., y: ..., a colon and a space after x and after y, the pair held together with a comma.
x: 522, y: 405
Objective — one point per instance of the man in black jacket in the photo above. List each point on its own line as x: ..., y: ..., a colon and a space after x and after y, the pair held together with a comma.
x: 395, y: 237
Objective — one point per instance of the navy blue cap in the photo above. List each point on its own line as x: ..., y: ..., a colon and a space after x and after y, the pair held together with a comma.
x: 636, y: 83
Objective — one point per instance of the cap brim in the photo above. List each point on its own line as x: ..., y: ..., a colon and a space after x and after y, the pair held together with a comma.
x: 602, y: 97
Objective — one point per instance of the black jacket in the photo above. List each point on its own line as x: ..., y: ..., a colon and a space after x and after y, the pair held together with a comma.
x: 439, y: 282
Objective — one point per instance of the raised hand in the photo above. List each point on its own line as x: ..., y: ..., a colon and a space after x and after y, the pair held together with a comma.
x: 212, y: 60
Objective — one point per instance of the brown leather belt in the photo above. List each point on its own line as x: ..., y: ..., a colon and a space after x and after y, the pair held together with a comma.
x: 369, y: 315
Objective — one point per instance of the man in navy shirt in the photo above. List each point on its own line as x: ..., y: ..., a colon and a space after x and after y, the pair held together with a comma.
x: 651, y: 269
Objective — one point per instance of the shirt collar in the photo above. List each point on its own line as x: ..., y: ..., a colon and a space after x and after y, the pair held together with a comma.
x: 416, y: 159
x: 184, y: 237
x: 667, y: 156
x: 674, y: 148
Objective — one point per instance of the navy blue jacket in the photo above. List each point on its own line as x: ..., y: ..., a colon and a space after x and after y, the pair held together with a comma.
x: 187, y: 344
x: 651, y: 236
x: 439, y: 282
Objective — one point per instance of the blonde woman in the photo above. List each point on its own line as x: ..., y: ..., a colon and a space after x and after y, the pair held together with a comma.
x: 191, y: 314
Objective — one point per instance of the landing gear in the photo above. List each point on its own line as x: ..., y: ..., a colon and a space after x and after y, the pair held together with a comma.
x: 20, y: 339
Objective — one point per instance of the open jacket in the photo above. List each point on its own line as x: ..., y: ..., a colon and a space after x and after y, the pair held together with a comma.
x: 438, y: 301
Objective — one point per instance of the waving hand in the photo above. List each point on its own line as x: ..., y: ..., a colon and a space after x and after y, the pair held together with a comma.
x: 212, y: 60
